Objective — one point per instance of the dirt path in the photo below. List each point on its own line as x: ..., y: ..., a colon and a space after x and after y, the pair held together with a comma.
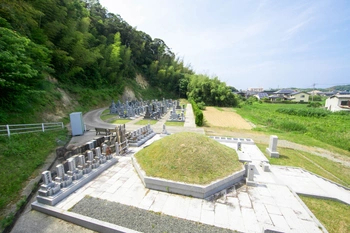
x: 229, y: 123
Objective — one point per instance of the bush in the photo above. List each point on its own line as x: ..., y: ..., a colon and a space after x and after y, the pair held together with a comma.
x: 291, y: 126
x: 197, y: 113
x: 314, y: 105
x: 311, y: 112
x: 201, y: 105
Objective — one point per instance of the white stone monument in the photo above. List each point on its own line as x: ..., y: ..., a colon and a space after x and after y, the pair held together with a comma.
x: 272, y: 149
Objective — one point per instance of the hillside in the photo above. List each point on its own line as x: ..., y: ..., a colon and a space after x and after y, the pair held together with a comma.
x: 82, y: 46
x: 78, y: 47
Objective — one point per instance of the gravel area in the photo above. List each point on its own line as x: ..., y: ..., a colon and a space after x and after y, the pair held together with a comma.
x: 138, y: 219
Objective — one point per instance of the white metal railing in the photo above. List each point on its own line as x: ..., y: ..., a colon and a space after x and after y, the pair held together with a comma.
x: 29, y: 128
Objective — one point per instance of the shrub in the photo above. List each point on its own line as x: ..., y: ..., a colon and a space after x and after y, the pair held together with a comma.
x: 201, y: 105
x: 197, y: 112
x: 311, y: 112
x: 314, y: 105
x: 291, y: 126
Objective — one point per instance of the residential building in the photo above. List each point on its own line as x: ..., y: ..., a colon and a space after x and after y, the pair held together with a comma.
x: 300, y: 97
x: 284, y: 94
x: 255, y: 89
x: 261, y: 95
x: 338, y: 102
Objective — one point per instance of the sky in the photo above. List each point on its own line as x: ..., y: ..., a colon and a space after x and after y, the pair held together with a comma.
x: 251, y: 43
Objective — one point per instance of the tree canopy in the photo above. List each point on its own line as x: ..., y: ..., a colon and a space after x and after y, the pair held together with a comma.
x: 80, y: 43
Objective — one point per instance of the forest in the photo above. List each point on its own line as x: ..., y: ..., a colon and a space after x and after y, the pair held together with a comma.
x: 83, y: 46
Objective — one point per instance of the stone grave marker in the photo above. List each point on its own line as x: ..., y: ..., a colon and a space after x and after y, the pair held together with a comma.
x: 73, y: 171
x: 272, y: 149
x: 48, y: 188
x: 62, y: 178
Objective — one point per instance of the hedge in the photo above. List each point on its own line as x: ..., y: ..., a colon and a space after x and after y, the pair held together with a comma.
x: 197, y: 113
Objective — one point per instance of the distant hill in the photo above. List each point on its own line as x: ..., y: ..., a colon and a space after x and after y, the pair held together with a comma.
x: 341, y: 88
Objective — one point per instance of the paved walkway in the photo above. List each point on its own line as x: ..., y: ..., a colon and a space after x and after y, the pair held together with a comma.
x: 246, y: 209
x: 190, y: 118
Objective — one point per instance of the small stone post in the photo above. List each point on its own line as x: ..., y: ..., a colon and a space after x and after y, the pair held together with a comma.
x: 239, y: 146
x: 272, y: 149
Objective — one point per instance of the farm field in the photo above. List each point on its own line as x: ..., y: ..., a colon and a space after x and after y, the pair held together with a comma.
x: 301, y: 124
x: 225, y: 117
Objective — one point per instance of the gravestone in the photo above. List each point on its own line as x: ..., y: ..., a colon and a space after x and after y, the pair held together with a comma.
x: 164, y: 130
x: 112, y: 108
x: 250, y: 175
x: 82, y: 165
x: 91, y: 161
x: 272, y: 149
x: 73, y: 171
x: 116, y: 149
x: 178, y: 105
x: 48, y: 188
x: 239, y: 146
x: 62, y: 178
x: 147, y: 114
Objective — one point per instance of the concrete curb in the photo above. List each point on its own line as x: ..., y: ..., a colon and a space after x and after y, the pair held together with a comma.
x: 316, y: 175
x: 81, y: 220
x: 193, y: 190
x: 308, y: 210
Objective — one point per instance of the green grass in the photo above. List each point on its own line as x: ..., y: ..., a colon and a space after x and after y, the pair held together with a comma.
x: 146, y: 122
x: 120, y: 121
x: 108, y: 116
x: 301, y: 124
x: 174, y: 123
x: 321, y: 166
x: 184, y: 102
x: 107, y: 111
x: 332, y: 214
x: 20, y: 156
x: 188, y: 157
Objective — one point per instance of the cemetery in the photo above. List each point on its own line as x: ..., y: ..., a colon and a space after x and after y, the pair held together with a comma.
x: 152, y: 110
x: 185, y: 176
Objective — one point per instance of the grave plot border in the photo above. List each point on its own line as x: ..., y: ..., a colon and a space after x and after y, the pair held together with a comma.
x: 65, y: 192
x: 193, y: 190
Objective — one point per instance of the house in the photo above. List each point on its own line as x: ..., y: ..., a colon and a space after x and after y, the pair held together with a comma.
x: 261, y: 95
x: 300, y: 97
x: 255, y: 89
x: 284, y: 94
x: 338, y: 102
x: 315, y: 92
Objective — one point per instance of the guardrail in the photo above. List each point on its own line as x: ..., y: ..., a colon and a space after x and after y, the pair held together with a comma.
x: 29, y: 128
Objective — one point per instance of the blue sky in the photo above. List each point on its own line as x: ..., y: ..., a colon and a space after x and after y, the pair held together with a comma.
x: 251, y: 43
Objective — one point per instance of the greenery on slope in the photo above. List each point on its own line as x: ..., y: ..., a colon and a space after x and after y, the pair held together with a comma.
x: 319, y: 165
x: 88, y: 50
x: 333, y: 215
x: 20, y: 156
x: 188, y: 157
x: 301, y: 123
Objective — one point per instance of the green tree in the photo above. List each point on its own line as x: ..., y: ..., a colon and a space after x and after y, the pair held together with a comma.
x: 21, y: 65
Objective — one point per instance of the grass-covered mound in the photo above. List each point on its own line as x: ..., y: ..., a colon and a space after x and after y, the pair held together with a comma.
x: 188, y: 157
